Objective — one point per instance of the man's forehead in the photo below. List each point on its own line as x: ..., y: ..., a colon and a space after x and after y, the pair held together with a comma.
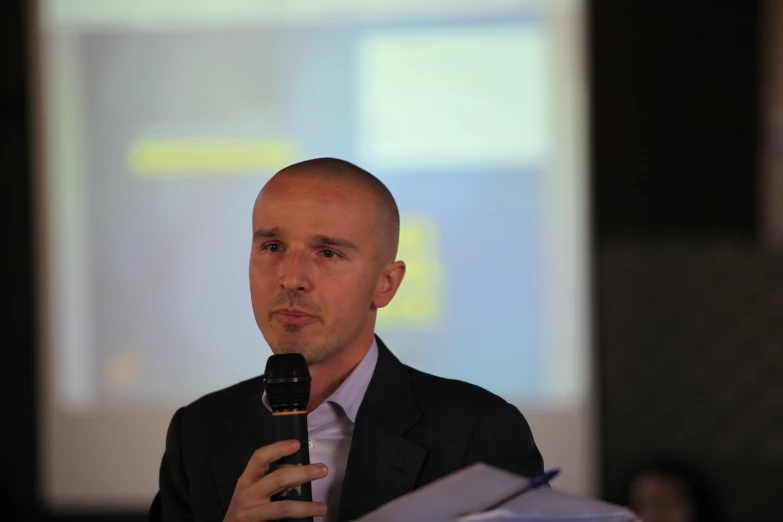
x: 314, y: 216
x: 313, y: 209
x: 314, y: 197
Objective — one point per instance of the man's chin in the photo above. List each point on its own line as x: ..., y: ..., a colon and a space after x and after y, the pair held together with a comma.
x: 312, y: 352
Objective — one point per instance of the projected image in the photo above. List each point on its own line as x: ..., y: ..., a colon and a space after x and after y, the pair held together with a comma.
x: 160, y: 124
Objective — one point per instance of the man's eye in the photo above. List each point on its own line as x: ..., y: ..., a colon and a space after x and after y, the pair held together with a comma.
x: 329, y: 254
x: 272, y: 247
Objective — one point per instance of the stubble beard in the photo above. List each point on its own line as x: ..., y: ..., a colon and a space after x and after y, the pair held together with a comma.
x: 292, y: 343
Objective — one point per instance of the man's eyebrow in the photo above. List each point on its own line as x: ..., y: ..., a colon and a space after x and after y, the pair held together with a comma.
x: 335, y: 242
x: 266, y: 233
x: 320, y: 239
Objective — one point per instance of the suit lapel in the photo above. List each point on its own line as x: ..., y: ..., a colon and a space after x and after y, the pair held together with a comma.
x: 382, y: 463
x: 251, y: 429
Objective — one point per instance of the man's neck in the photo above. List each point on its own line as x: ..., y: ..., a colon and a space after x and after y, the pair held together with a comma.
x: 327, y: 376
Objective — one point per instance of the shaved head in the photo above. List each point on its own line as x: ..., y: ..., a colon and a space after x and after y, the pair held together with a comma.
x: 337, y: 170
x: 325, y: 237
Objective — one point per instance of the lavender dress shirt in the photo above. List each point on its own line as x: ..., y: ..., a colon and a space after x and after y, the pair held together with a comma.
x: 330, y: 429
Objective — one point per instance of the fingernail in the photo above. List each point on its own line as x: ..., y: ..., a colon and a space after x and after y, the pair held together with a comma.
x: 321, y: 469
x: 322, y: 510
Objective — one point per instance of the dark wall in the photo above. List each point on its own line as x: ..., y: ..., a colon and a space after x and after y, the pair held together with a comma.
x: 675, y: 100
x: 692, y: 337
x: 689, y: 306
x: 17, y: 456
x: 675, y: 122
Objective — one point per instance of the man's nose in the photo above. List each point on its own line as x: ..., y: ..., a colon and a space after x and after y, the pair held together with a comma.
x: 295, y: 275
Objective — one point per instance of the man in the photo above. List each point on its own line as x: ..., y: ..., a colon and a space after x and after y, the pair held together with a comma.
x: 323, y: 262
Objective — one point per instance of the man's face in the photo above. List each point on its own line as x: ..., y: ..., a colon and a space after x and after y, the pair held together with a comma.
x: 315, y: 268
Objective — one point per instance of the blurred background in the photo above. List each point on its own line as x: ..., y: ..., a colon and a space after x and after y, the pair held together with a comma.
x: 608, y: 175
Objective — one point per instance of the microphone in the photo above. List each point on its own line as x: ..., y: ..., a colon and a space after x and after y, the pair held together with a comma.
x: 287, y: 384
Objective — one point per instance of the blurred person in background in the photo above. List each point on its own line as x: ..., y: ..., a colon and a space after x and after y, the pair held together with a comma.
x: 669, y: 490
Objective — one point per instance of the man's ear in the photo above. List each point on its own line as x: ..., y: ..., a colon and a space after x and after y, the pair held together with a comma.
x: 388, y: 283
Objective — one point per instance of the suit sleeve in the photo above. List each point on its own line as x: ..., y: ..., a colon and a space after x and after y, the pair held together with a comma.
x: 172, y: 503
x: 503, y: 439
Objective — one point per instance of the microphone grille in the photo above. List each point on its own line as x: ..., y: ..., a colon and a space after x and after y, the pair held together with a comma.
x: 287, y: 382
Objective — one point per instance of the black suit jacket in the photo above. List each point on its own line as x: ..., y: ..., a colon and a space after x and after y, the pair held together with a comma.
x: 411, y: 429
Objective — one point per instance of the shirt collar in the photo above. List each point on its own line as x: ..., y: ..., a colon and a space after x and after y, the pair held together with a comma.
x: 351, y: 392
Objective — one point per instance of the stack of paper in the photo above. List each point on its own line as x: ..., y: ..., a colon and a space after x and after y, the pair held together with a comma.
x: 483, y: 493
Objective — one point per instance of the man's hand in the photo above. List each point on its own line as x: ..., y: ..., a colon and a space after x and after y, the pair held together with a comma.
x: 251, y: 501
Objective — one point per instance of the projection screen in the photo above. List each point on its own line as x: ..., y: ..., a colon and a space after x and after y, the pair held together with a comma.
x: 157, y: 122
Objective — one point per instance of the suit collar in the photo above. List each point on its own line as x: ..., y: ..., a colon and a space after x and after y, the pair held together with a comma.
x: 382, y: 463
x: 389, y: 397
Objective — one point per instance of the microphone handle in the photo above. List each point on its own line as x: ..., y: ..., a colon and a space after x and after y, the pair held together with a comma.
x: 294, y: 426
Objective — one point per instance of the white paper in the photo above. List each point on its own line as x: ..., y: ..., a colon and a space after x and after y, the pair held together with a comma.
x: 467, y: 495
x: 467, y: 491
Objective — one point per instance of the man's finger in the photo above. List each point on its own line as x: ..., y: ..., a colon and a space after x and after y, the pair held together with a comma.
x: 283, y: 478
x: 282, y: 510
x: 263, y: 457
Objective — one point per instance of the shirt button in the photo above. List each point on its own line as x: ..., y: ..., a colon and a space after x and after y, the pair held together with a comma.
x: 310, y: 443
